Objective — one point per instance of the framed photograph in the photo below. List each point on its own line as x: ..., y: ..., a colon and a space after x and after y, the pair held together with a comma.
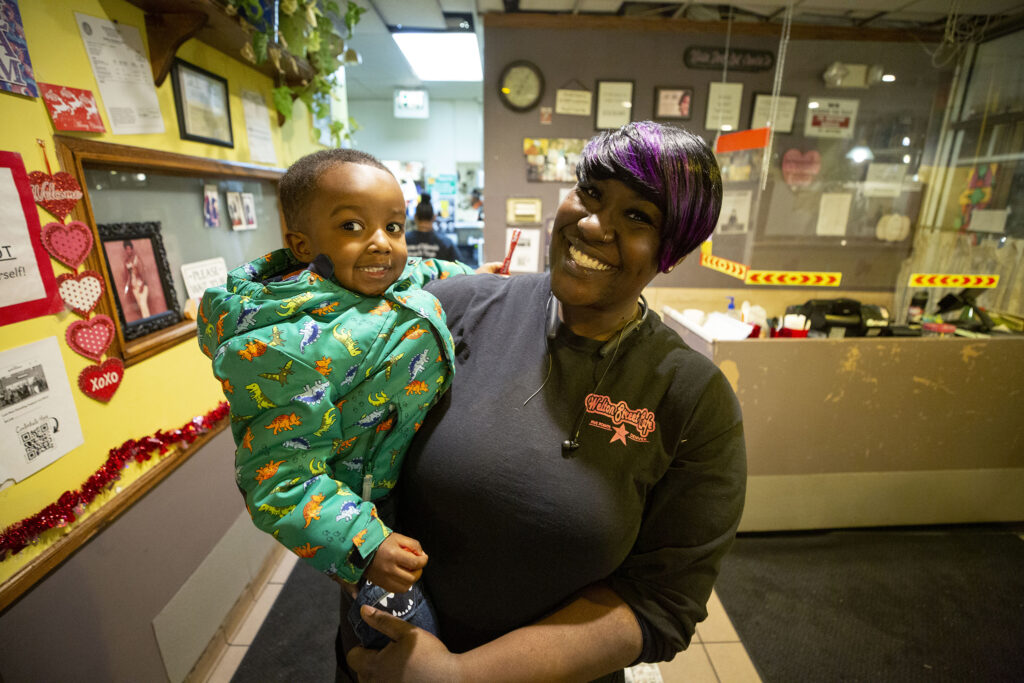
x: 140, y: 277
x: 249, y: 210
x: 673, y: 103
x: 201, y: 100
x: 785, y: 112
x: 235, y: 211
x: 614, y: 104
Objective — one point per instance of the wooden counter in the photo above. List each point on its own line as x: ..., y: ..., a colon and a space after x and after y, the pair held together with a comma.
x: 873, y: 432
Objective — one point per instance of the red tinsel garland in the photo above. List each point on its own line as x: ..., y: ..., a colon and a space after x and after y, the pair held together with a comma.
x: 72, y: 503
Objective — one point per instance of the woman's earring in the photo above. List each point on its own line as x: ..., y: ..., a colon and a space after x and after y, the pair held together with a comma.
x: 670, y: 269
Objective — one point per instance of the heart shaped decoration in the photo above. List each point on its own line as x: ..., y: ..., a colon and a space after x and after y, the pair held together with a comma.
x: 90, y: 338
x: 57, y: 193
x: 81, y: 292
x: 799, y: 169
x: 101, y: 381
x: 69, y: 244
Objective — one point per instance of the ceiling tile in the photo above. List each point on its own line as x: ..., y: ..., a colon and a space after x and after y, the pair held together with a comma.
x: 546, y: 5
x: 411, y: 14
x: 484, y: 6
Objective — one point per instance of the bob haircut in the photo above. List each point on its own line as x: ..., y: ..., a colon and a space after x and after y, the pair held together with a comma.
x: 302, y: 180
x: 672, y: 168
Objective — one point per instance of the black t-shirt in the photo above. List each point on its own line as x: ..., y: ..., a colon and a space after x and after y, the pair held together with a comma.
x: 649, y: 503
x: 428, y: 245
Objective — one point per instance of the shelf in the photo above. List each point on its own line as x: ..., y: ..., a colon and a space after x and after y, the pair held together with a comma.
x: 169, y: 23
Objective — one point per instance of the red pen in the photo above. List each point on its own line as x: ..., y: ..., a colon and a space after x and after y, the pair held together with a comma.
x: 511, y: 247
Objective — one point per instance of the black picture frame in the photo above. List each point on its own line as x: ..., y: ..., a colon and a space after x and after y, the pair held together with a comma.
x: 677, y: 94
x: 202, y: 116
x: 151, y: 268
x: 778, y: 129
x: 599, y: 113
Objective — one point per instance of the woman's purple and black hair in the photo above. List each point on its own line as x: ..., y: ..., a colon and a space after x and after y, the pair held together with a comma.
x: 671, y: 167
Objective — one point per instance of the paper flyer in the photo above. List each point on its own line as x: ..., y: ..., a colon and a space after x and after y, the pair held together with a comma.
x: 38, y: 420
x: 16, y: 74
x: 257, y: 128
x: 122, y: 70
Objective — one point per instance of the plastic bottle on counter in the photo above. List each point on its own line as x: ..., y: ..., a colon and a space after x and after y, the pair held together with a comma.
x: 916, y: 310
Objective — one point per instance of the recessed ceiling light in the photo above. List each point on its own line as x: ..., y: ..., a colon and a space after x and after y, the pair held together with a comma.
x: 441, y: 55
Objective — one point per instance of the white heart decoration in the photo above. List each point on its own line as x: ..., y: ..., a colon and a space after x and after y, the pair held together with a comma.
x: 80, y: 292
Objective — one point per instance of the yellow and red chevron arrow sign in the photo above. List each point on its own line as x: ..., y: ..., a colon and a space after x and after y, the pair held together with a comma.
x: 800, y: 278
x: 953, y: 280
x: 722, y: 265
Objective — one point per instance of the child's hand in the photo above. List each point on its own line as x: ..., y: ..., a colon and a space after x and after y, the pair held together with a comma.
x: 492, y: 267
x: 398, y: 564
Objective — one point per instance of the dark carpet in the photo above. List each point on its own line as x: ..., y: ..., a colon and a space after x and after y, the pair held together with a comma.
x: 296, y: 641
x: 895, y: 605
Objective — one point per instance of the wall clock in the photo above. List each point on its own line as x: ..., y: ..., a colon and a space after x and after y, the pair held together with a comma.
x: 520, y: 86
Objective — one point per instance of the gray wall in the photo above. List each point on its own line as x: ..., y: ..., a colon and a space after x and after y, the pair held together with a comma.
x: 92, y: 618
x: 656, y: 59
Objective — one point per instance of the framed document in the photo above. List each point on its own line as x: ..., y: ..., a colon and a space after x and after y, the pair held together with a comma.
x: 673, y: 103
x: 201, y: 100
x: 723, y: 111
x: 614, y: 104
x: 784, y: 112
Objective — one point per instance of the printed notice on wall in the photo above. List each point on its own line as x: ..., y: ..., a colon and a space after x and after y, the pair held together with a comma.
x: 200, y: 275
x: 257, y: 128
x: 122, y: 71
x: 833, y: 213
x: 38, y: 421
x: 527, y: 256
x: 830, y: 118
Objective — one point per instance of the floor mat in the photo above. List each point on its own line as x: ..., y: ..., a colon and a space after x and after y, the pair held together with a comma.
x: 936, y: 605
x: 296, y: 641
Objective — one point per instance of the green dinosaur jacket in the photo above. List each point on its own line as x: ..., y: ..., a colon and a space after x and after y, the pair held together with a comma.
x: 327, y: 388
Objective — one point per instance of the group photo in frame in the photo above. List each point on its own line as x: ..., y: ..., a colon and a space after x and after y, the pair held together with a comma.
x: 201, y: 102
x: 673, y: 103
x: 760, y: 111
x: 140, y: 277
x: 614, y: 104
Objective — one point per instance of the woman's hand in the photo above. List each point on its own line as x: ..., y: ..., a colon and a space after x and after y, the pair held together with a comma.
x: 492, y: 267
x: 397, y: 564
x: 416, y: 655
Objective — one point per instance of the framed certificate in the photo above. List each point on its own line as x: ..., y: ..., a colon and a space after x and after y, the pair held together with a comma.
x: 673, y: 103
x: 785, y: 111
x: 723, y: 112
x: 614, y: 104
x: 201, y: 100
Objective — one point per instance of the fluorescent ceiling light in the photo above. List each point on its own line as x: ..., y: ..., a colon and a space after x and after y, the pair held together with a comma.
x: 441, y: 56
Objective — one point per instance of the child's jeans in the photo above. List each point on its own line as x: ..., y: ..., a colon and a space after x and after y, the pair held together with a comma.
x: 411, y: 606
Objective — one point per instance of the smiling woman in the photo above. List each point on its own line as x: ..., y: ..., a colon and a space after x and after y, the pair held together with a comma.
x: 578, y: 487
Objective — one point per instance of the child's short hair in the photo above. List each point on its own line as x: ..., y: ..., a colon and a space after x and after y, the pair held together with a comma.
x: 299, y: 182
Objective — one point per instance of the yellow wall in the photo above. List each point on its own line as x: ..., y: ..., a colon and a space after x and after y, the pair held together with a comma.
x: 171, y: 388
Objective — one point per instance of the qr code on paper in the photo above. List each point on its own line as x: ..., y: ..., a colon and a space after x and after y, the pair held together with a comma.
x: 37, y: 441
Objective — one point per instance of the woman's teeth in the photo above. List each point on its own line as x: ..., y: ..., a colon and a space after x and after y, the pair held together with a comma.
x: 585, y: 261
x: 374, y: 270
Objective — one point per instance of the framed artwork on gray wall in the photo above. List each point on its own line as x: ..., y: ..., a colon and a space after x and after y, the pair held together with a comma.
x: 614, y: 104
x: 673, y: 103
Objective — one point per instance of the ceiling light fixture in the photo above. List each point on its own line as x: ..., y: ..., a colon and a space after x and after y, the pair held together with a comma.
x: 452, y: 54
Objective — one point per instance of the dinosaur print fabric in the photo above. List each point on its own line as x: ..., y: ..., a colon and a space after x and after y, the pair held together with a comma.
x: 327, y: 388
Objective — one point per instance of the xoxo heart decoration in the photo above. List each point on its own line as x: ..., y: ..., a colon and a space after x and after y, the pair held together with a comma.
x: 69, y: 244
x: 101, y: 381
x: 799, y: 169
x: 90, y: 338
x: 81, y: 292
x: 57, y: 193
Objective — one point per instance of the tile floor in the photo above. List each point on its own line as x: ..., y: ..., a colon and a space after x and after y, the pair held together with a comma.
x: 716, y: 654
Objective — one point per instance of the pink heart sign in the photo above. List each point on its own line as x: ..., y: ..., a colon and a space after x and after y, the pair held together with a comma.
x: 90, y: 338
x: 101, y: 381
x: 57, y: 193
x: 799, y: 169
x: 70, y: 243
x: 81, y: 292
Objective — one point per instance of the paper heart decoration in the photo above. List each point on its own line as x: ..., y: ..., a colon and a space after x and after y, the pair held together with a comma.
x: 799, y: 169
x: 90, y: 338
x: 81, y: 292
x: 57, y: 193
x: 101, y: 381
x: 69, y: 244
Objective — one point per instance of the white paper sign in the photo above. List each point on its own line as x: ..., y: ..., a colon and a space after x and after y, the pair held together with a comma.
x: 884, y: 180
x: 735, y: 215
x: 988, y: 220
x: 830, y: 118
x: 527, y: 256
x: 38, y: 421
x: 200, y: 275
x: 785, y: 111
x: 833, y: 213
x: 724, y: 106
x: 123, y: 74
x: 572, y: 102
x: 20, y: 280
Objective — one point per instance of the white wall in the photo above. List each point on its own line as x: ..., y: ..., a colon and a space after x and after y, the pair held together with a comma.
x: 453, y: 133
